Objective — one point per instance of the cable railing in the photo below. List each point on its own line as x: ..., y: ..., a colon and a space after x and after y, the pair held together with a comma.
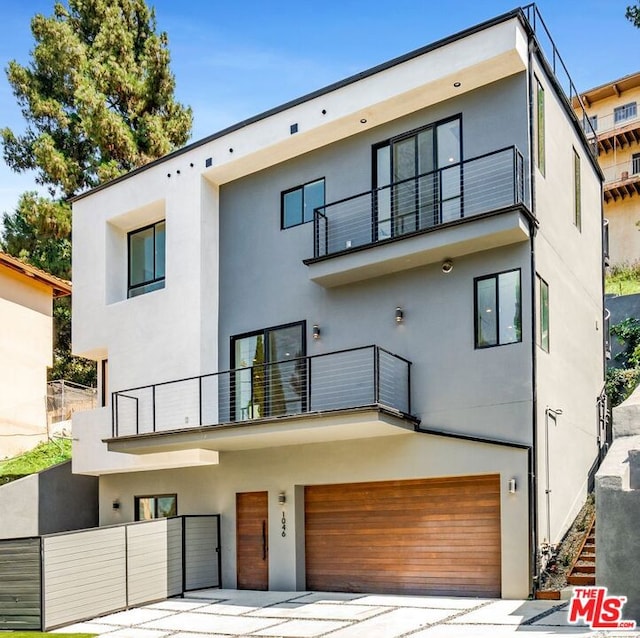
x: 622, y: 171
x: 556, y: 64
x: 359, y: 377
x: 457, y: 191
x: 610, y: 122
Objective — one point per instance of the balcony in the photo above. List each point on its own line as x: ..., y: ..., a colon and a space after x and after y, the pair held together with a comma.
x: 349, y: 394
x: 615, y: 134
x: 456, y: 210
x: 622, y: 180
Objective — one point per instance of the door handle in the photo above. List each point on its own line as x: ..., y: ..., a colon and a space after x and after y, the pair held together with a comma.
x: 264, y: 540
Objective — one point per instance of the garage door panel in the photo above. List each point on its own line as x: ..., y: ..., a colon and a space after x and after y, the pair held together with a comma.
x: 422, y: 536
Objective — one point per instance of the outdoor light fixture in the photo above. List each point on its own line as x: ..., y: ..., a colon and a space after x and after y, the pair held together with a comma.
x: 457, y: 84
x: 116, y: 504
x: 363, y: 120
x: 399, y: 315
x: 512, y: 486
x: 447, y: 266
x: 316, y: 331
x: 282, y: 498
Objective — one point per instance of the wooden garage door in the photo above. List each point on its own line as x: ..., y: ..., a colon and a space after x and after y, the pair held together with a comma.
x: 426, y: 536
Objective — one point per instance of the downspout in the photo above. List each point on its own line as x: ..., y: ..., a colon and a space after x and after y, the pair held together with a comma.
x: 533, y: 462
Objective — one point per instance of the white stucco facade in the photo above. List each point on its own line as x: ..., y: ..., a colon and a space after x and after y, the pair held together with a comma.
x: 232, y: 267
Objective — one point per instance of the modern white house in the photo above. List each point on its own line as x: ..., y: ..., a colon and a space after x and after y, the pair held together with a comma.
x: 365, y: 327
x: 26, y: 351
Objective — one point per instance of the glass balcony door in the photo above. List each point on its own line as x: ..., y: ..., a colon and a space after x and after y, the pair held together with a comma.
x: 418, y: 180
x: 270, y: 377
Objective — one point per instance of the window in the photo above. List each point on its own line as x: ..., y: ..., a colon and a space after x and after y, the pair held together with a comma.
x: 497, y: 309
x: 270, y: 377
x: 298, y: 204
x: 542, y: 337
x: 625, y: 112
x: 593, y: 120
x: 417, y: 177
x: 160, y: 506
x: 104, y: 381
x: 577, y: 191
x: 635, y: 163
x: 146, y: 259
x: 539, y: 127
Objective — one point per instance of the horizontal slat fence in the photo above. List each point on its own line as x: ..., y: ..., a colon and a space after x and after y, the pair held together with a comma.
x: 20, y: 603
x: 54, y: 580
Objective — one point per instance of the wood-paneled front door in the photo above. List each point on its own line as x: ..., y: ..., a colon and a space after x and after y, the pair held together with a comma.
x: 252, y: 540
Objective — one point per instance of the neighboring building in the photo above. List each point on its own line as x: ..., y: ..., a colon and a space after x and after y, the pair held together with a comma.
x: 443, y: 206
x: 26, y: 350
x: 612, y: 117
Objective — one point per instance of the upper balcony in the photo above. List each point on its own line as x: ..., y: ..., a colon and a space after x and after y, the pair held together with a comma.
x: 462, y: 208
x: 617, y: 129
x: 350, y: 394
x: 622, y: 180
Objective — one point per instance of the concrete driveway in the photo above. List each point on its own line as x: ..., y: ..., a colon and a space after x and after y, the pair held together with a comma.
x: 222, y: 613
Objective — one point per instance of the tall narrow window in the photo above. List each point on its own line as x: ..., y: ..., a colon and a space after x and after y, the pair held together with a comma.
x: 543, y: 314
x: 104, y: 381
x: 146, y: 259
x: 635, y: 164
x: 498, y: 317
x: 539, y: 127
x: 577, y: 194
x: 299, y: 203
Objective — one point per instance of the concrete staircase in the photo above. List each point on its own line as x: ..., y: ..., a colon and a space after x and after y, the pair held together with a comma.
x: 583, y: 570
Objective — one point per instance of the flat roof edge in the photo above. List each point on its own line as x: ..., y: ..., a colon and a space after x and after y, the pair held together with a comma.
x: 514, y: 13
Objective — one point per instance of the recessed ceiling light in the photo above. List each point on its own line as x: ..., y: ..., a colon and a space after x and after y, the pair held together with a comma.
x: 363, y: 120
x: 457, y: 84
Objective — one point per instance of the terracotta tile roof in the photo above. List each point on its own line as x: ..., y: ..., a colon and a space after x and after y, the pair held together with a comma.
x: 60, y: 287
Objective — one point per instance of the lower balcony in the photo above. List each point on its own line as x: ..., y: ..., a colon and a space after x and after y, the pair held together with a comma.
x: 459, y: 209
x: 349, y: 394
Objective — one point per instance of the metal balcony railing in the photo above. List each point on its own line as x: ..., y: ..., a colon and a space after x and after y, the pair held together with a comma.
x: 360, y: 377
x: 611, y: 122
x: 622, y: 171
x: 485, y: 183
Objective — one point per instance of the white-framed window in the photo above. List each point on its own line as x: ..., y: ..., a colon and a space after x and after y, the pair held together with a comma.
x: 625, y: 112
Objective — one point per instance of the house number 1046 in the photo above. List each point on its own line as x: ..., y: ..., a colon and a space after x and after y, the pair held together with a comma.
x: 284, y: 526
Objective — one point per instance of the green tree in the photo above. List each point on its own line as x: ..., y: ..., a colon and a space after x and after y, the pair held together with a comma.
x: 633, y: 14
x: 98, y: 99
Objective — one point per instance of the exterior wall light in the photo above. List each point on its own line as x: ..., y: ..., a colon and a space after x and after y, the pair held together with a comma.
x: 116, y: 504
x: 316, y: 331
x: 512, y: 486
x: 399, y: 315
x: 447, y: 266
x: 282, y: 498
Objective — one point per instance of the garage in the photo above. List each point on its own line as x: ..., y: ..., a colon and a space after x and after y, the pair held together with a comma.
x: 424, y: 536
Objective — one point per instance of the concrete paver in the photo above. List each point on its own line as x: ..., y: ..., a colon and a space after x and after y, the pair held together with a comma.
x: 506, y: 612
x: 325, y: 611
x: 224, y: 613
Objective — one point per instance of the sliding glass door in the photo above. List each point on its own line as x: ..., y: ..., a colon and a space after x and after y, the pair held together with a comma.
x: 270, y: 373
x: 418, y: 180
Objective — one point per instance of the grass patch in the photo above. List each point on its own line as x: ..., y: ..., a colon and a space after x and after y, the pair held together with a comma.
x: 623, y: 280
x: 41, y: 457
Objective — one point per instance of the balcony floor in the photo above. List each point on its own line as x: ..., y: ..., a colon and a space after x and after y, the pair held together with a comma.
x: 446, y: 241
x: 298, y: 429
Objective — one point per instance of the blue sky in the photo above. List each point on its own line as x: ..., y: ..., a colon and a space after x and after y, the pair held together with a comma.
x: 235, y: 59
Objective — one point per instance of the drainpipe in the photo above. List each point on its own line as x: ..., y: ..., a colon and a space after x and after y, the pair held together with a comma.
x: 554, y: 414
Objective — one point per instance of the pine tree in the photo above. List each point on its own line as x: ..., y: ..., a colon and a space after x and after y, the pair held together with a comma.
x: 98, y: 99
